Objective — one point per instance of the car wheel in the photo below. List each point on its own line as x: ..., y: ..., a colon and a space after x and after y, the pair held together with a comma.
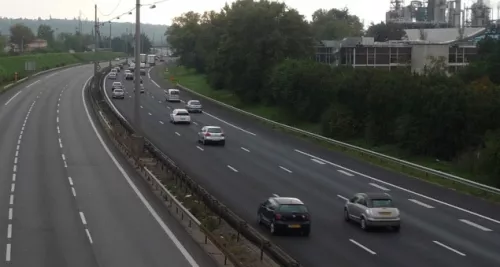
x: 396, y: 228
x: 363, y: 224
x: 259, y: 218
x: 223, y: 143
x: 346, y: 215
x: 306, y: 232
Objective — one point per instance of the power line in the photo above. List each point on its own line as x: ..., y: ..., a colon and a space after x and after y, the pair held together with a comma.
x: 110, y: 13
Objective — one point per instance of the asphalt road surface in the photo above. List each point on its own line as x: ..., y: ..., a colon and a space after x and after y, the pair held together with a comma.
x: 439, y: 226
x: 67, y: 197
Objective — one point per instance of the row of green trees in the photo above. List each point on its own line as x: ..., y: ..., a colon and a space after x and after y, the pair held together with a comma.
x: 262, y: 51
x: 21, y: 35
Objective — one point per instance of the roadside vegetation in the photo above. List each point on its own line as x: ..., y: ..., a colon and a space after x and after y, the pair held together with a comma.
x: 258, y: 57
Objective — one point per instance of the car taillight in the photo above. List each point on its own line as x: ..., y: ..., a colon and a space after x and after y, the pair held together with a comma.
x: 207, y: 134
x: 221, y: 134
x: 277, y: 216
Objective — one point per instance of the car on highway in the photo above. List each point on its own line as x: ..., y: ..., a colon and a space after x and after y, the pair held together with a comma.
x: 141, y: 90
x: 284, y: 214
x: 172, y: 95
x: 372, y: 210
x: 112, y: 76
x: 116, y: 85
x: 143, y: 71
x: 194, y: 106
x: 211, y: 134
x: 117, y: 69
x: 129, y: 76
x: 118, y: 93
x: 131, y: 67
x: 120, y: 66
x: 180, y: 116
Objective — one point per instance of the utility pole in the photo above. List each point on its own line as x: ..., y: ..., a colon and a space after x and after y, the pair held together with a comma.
x: 110, y: 49
x: 137, y: 76
x: 96, y: 44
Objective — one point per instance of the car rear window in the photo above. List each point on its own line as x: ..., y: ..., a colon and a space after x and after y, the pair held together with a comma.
x: 293, y: 208
x: 382, y: 203
x: 119, y: 90
x: 195, y: 102
x: 214, y: 130
x: 182, y: 113
x: 174, y: 92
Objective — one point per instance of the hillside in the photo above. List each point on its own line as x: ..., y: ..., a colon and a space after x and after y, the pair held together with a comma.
x: 154, y: 32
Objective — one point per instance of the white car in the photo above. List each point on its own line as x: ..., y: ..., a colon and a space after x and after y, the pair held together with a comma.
x: 112, y: 76
x: 116, y: 85
x: 172, y: 95
x: 118, y: 93
x: 180, y: 116
x: 211, y: 134
x: 129, y: 76
x: 194, y: 106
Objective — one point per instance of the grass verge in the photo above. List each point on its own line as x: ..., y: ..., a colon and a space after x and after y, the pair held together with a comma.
x: 197, y: 82
x: 10, y: 65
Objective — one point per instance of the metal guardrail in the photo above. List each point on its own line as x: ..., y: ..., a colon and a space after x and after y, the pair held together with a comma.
x: 241, y: 226
x: 343, y: 145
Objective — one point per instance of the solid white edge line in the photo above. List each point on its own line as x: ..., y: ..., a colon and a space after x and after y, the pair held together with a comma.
x: 379, y: 187
x: 363, y: 247
x: 449, y: 248
x: 342, y: 197
x: 421, y: 203
x: 12, y: 98
x: 89, y: 236
x: 346, y: 173
x: 148, y: 206
x: 403, y: 189
x: 480, y: 227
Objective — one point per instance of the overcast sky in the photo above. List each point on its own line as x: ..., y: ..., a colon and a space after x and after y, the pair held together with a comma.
x: 367, y: 10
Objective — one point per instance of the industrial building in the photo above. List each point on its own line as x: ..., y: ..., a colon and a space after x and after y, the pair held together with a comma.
x: 434, y: 29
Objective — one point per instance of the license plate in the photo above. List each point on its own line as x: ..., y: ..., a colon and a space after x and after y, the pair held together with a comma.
x: 385, y: 213
x: 294, y: 226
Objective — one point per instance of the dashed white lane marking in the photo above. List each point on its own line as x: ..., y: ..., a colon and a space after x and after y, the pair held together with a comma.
x: 230, y: 124
x: 342, y: 197
x: 346, y: 173
x: 9, y: 231
x: 480, y: 227
x: 169, y: 107
x: 421, y: 203
x: 11, y: 200
x: 70, y: 181
x: 12, y: 98
x: 82, y: 217
x: 402, y: 188
x: 200, y: 148
x: 449, y: 248
x: 12, y: 187
x: 159, y: 101
x: 161, y: 122
x: 363, y: 247
x: 285, y: 169
x: 233, y: 169
x: 73, y: 191
x: 13, y: 177
x: 318, y: 161
x: 178, y: 134
x: 15, y: 160
x: 57, y: 119
x: 379, y: 186
x: 195, y: 123
x: 89, y: 236
x: 11, y: 213
x: 33, y: 83
x: 142, y: 107
x: 182, y: 101
x: 63, y: 157
x: 150, y: 113
x: 146, y: 204
x: 8, y: 252
x: 242, y: 148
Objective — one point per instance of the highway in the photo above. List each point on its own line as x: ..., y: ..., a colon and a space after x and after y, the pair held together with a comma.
x: 67, y: 197
x: 439, y: 226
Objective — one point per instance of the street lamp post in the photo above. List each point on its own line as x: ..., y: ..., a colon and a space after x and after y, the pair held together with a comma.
x: 110, y: 49
x: 137, y: 76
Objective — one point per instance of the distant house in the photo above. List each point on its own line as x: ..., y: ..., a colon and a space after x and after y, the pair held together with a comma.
x: 36, y: 44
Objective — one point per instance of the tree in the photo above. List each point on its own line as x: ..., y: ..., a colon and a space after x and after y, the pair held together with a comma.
x: 21, y: 35
x: 146, y: 44
x: 386, y: 32
x: 46, y: 33
x: 335, y: 24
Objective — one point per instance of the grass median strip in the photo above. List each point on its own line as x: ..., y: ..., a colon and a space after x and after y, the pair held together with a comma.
x: 198, y: 83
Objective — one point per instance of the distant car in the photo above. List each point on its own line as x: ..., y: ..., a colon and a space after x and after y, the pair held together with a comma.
x: 142, y: 89
x: 117, y: 69
x: 194, y: 106
x: 143, y: 72
x: 284, y: 214
x: 117, y: 59
x: 172, y: 95
x: 120, y: 66
x: 116, y: 85
x: 180, y: 116
x: 129, y: 76
x: 112, y: 76
x: 118, y: 93
x: 131, y: 67
x: 372, y: 210
x: 211, y: 134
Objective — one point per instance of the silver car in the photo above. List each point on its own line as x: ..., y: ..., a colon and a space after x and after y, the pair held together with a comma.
x: 194, y: 106
x: 372, y: 210
x: 211, y: 134
x: 118, y: 93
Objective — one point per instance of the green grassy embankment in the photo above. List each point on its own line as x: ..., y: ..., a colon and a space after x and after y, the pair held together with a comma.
x: 197, y: 82
x: 10, y: 65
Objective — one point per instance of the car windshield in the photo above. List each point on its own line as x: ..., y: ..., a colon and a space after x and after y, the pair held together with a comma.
x: 117, y: 84
x: 293, y: 208
x: 182, y: 113
x: 118, y: 91
x: 194, y: 102
x: 214, y: 130
x: 174, y: 92
x: 382, y: 203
